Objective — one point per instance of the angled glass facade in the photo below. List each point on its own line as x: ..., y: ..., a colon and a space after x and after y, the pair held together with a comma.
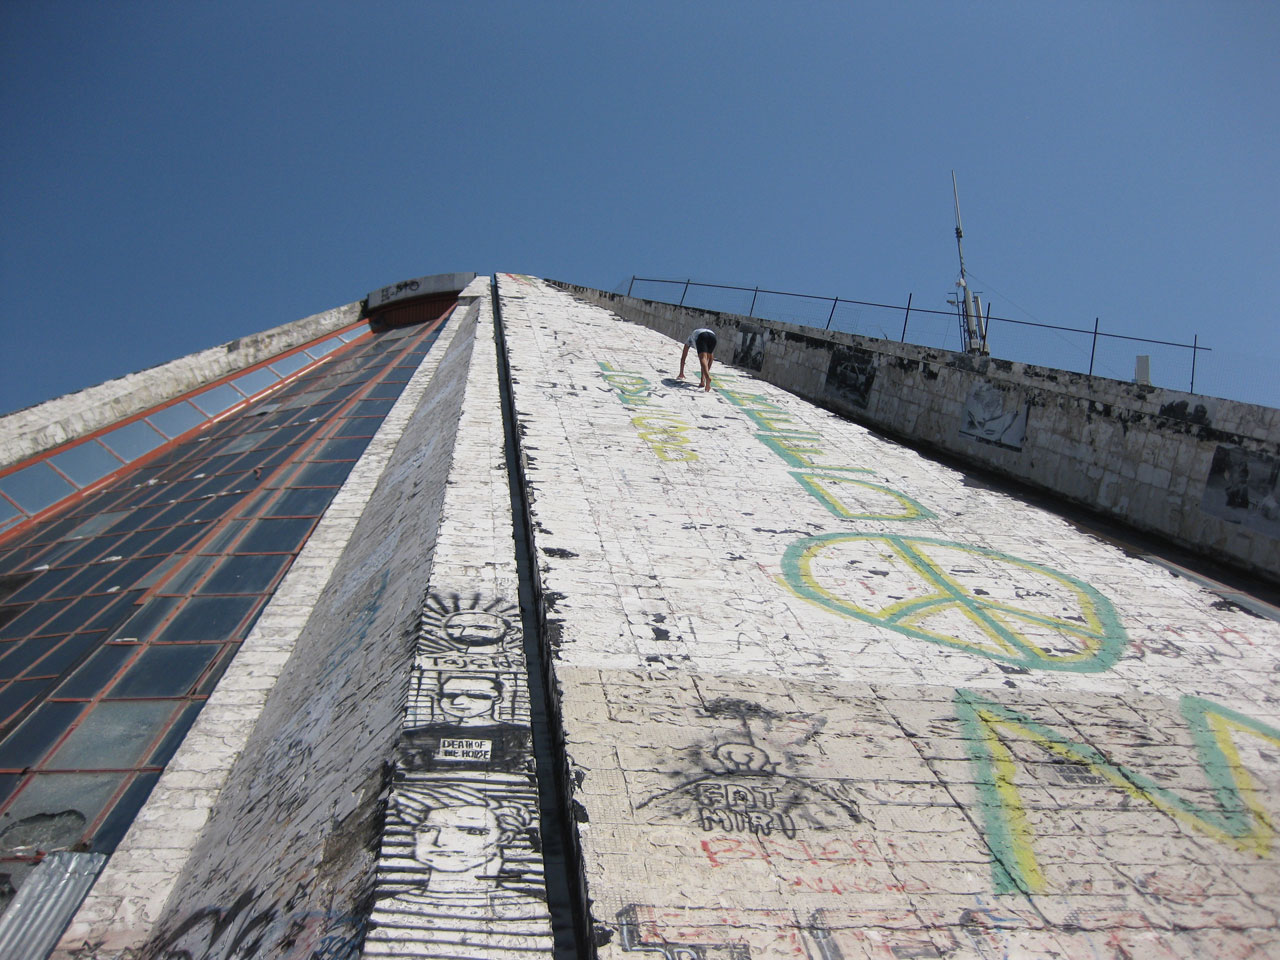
x: 121, y: 606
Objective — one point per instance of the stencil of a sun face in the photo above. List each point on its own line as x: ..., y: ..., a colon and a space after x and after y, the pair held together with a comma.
x: 453, y: 624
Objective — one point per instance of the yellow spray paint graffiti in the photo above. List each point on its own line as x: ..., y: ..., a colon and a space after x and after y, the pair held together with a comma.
x: 1060, y: 624
x: 664, y: 432
x: 1237, y: 818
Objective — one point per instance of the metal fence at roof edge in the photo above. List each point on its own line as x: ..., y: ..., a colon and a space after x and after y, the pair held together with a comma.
x: 1079, y: 349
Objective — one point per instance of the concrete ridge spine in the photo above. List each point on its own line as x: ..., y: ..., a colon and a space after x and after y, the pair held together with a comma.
x: 37, y: 428
x: 137, y: 888
x: 1153, y: 458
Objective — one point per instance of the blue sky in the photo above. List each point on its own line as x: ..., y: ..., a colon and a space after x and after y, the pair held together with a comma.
x: 175, y: 175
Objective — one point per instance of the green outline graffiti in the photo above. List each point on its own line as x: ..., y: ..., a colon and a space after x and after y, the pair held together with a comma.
x: 1100, y: 632
x: 1239, y: 819
x: 914, y: 510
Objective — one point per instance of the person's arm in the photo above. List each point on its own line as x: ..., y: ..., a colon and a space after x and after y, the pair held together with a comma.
x: 683, y: 354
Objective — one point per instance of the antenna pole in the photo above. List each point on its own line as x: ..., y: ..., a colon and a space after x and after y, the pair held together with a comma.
x: 974, y: 337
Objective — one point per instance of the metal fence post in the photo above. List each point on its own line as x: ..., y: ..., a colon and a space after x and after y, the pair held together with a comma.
x: 752, y: 311
x: 905, y: 317
x: 682, y: 296
x: 1195, y: 348
x: 833, y: 311
x: 1094, y: 349
x: 631, y: 284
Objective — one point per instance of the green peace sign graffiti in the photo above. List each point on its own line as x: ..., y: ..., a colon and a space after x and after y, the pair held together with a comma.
x: 961, y: 596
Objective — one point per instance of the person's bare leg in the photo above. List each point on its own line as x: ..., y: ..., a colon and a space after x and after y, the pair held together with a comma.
x: 683, y: 354
x: 704, y: 360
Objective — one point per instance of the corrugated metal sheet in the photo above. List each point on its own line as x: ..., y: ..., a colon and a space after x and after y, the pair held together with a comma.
x: 44, y: 904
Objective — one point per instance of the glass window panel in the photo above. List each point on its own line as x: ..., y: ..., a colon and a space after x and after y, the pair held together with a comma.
x: 65, y: 803
x: 9, y: 783
x: 176, y: 538
x: 386, y: 391
x: 96, y: 672
x: 142, y: 624
x: 252, y: 574
x: 255, y: 381
x: 46, y: 582
x: 216, y: 507
x: 308, y: 502
x: 346, y: 336
x: 358, y: 427
x: 8, y: 512
x: 112, y: 829
x: 346, y: 449
x: 96, y: 524
x: 175, y: 420
x: 372, y: 408
x: 187, y: 577
x: 85, y: 577
x: 86, y: 462
x: 216, y: 399
x: 40, y: 731
x: 125, y: 574
x: 35, y: 487
x: 21, y: 654
x: 121, y: 608
x: 31, y: 620
x: 328, y: 473
x: 66, y: 655
x: 17, y: 695
x: 78, y: 614
x: 290, y: 364
x: 93, y: 549
x: 133, y: 439
x: 275, y: 536
x: 176, y: 733
x: 182, y: 489
x: 342, y: 393
x: 136, y: 543
x: 221, y: 484
x: 211, y: 678
x: 167, y: 670
x: 223, y: 539
x: 113, y: 735
x: 208, y: 618
x: 327, y: 347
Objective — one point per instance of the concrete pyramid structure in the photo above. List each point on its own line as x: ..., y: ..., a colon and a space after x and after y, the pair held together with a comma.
x: 454, y: 624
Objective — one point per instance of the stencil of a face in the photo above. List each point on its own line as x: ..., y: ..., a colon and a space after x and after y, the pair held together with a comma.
x: 457, y: 839
x: 468, y: 698
x: 475, y: 628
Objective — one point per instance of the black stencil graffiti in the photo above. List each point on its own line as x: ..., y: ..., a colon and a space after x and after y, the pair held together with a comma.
x: 742, y: 790
x: 992, y: 415
x: 467, y: 721
x: 748, y: 351
x: 643, y: 933
x: 850, y: 376
x: 460, y: 872
x: 451, y: 625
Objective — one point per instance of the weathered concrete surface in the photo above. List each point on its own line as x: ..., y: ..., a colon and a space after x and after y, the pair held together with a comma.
x: 1200, y: 471
x: 460, y: 873
x: 37, y: 428
x: 826, y: 698
x: 261, y: 834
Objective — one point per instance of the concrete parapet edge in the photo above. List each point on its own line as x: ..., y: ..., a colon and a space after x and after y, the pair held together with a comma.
x: 1138, y: 454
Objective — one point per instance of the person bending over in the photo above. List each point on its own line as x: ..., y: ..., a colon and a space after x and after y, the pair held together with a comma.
x: 703, y: 341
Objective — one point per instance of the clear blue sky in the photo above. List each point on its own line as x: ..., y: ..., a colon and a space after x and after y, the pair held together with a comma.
x: 174, y: 175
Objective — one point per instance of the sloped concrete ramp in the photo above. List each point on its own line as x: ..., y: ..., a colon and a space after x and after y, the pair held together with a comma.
x: 823, y: 697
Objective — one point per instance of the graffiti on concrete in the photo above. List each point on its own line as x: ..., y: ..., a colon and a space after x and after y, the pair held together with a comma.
x: 461, y: 872
x: 748, y: 350
x: 1235, y: 816
x: 1244, y: 488
x: 1031, y: 616
x: 850, y: 498
x: 851, y: 373
x: 247, y: 929
x: 995, y: 416
x: 467, y: 721
x: 740, y: 789
x: 471, y: 626
x: 663, y: 431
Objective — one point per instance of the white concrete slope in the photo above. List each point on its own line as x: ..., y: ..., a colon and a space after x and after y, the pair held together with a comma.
x: 826, y: 698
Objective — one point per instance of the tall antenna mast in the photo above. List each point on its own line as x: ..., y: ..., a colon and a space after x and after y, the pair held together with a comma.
x: 973, y: 330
